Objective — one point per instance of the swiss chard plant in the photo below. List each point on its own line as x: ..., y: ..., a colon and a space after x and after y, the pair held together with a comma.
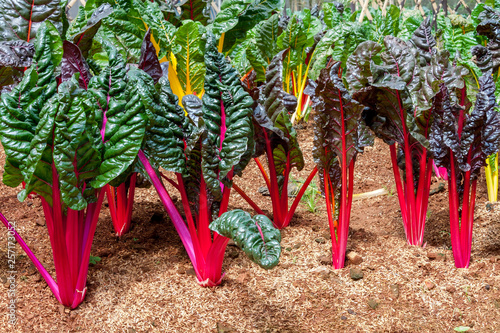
x: 51, y: 137
x: 398, y: 87
x: 277, y: 139
x: 339, y: 135
x: 205, y: 144
x: 487, y: 59
x: 461, y: 142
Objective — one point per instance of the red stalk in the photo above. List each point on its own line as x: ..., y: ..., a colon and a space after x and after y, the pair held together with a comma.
x: 248, y: 200
x: 121, y: 202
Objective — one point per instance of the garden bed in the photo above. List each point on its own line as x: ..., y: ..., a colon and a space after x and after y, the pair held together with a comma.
x: 145, y: 283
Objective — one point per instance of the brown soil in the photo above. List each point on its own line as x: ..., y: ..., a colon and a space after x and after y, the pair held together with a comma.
x: 143, y: 283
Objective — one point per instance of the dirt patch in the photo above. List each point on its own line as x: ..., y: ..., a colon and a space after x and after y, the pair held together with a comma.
x: 143, y: 282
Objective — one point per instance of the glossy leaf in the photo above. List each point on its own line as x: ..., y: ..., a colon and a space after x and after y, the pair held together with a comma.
x: 149, y: 61
x: 23, y: 19
x: 256, y: 236
x: 14, y: 56
x: 74, y: 62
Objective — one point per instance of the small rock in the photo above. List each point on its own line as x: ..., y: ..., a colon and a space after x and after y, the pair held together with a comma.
x: 429, y: 284
x: 354, y: 258
x: 451, y: 289
x: 356, y: 274
x: 432, y: 255
x: 373, y: 303
x: 325, y: 260
x: 224, y: 328
x: 320, y: 240
x: 296, y: 246
x: 190, y: 271
x: 175, y: 199
x: 343, y: 317
x: 40, y: 221
x: 37, y: 278
x: 487, y: 287
x: 231, y: 243
x: 351, y: 311
x: 395, y: 290
x: 316, y: 228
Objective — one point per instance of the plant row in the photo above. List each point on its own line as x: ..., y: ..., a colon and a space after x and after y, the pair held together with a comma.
x: 137, y: 93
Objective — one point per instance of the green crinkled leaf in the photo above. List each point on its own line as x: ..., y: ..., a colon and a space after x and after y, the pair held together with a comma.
x: 122, y: 30
x: 224, y: 98
x: 385, y: 25
x: 18, y: 18
x: 20, y: 110
x: 256, y: 236
x: 121, y: 104
x: 228, y: 16
x: 266, y: 34
x: 83, y: 35
x: 323, y: 50
x: 164, y: 135
x: 291, y: 154
x: 195, y: 10
x: 257, y: 11
x: 163, y: 31
x: 76, y: 156
x: 190, y: 66
x: 358, y: 72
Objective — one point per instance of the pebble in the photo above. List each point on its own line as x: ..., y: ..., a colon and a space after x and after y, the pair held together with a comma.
x: 316, y: 228
x: 190, y: 271
x: 298, y: 245
x: 320, y: 240
x: 354, y: 258
x: 343, y: 317
x: 487, y: 287
x: 350, y: 311
x: 356, y: 274
x: 395, y: 290
x: 40, y: 221
x: 373, y: 303
x: 429, y: 284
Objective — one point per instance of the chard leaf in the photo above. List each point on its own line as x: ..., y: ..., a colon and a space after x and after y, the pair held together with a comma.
x: 121, y: 105
x: 149, y: 61
x: 257, y: 11
x: 195, y: 10
x: 22, y: 19
x: 163, y: 30
x: 358, y: 71
x: 227, y: 115
x: 190, y: 66
x: 14, y: 56
x: 266, y: 34
x: 73, y: 62
x: 121, y: 29
x: 336, y: 119
x: 424, y: 41
x: 256, y: 236
x: 20, y: 110
x: 77, y: 153
x: 83, y: 35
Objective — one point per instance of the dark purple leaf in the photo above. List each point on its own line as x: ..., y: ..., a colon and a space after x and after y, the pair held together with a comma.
x: 73, y: 62
x: 149, y: 60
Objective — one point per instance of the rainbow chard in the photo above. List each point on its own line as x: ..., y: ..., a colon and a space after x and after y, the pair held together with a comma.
x: 461, y: 142
x: 401, y: 116
x: 52, y: 144
x: 276, y: 137
x: 205, y: 149
x: 338, y: 136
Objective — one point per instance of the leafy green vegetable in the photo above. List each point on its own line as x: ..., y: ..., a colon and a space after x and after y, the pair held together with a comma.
x: 256, y: 236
